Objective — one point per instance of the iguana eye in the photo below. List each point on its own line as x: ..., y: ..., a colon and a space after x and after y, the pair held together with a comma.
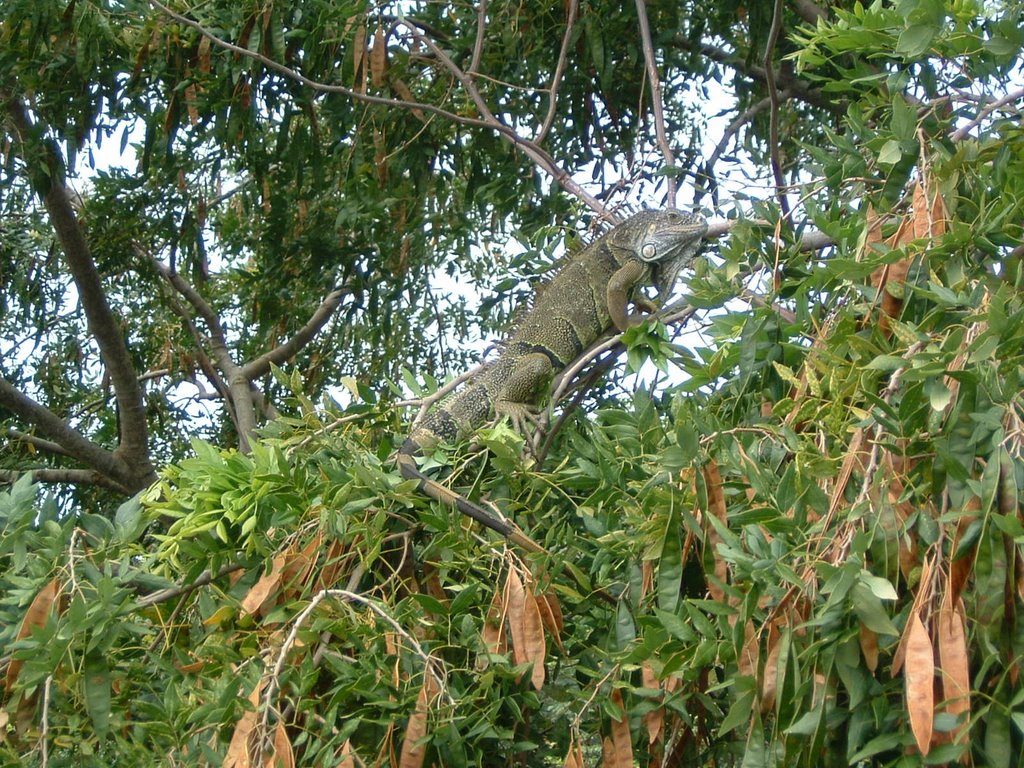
x: 648, y: 251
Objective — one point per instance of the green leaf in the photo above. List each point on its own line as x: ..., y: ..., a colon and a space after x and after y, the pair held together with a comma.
x: 96, y: 681
x: 915, y: 40
x: 625, y: 629
x: 891, y: 153
x: 670, y: 566
x: 871, y: 612
x: 740, y: 711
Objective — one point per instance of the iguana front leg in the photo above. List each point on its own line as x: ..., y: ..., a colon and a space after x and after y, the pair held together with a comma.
x: 620, y: 286
x: 518, y: 397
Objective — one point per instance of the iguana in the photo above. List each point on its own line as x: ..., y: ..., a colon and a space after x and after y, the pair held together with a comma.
x: 583, y: 300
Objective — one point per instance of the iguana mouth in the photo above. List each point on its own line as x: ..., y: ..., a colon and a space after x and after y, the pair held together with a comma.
x: 683, y: 242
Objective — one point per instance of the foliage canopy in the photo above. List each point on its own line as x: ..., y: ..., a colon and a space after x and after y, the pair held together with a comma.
x: 803, y: 547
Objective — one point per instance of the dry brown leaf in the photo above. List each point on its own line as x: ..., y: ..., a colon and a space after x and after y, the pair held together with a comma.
x: 921, y: 212
x: 379, y: 57
x: 406, y: 95
x: 533, y: 634
x: 770, y: 677
x: 493, y: 633
x: 960, y: 568
x: 716, y: 507
x: 203, y: 54
x: 954, y: 662
x: 35, y: 616
x: 654, y: 720
x: 261, y: 597
x: 574, y: 757
x: 516, y: 602
x: 551, y: 616
x: 919, y: 674
x: 608, y: 753
x: 334, y: 564
x: 238, y: 754
x: 414, y: 749
x: 282, y: 755
x: 622, y: 742
x: 747, y: 664
x: 346, y: 756
x: 190, y: 103
x: 300, y: 564
x: 869, y: 647
x: 939, y: 217
x: 358, y: 54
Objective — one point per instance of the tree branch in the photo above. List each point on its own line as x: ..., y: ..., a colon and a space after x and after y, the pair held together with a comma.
x: 727, y: 136
x: 279, y: 354
x: 78, y: 447
x: 799, y: 89
x: 66, y: 476
x: 656, y: 105
x: 961, y: 133
x: 809, y: 11
x: 478, y: 45
x: 37, y: 442
x: 133, y: 445
x: 541, y: 158
x: 773, y: 124
x: 556, y: 78
x: 238, y: 384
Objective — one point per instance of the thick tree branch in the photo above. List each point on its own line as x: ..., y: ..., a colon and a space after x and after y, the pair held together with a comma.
x: 238, y: 384
x: 64, y: 476
x: 809, y: 11
x: 78, y: 447
x: 103, y: 326
x: 280, y: 354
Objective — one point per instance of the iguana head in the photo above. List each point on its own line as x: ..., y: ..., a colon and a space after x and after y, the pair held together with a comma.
x: 668, y: 240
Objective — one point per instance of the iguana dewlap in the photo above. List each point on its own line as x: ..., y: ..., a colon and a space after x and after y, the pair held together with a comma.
x: 587, y: 297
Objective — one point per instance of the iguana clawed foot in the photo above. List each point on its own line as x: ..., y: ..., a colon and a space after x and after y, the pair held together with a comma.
x: 522, y: 415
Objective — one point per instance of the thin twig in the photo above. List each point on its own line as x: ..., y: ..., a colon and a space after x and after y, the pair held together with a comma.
x: 542, y: 159
x: 478, y: 45
x: 556, y: 78
x: 961, y: 133
x: 656, y: 105
x: 172, y: 592
x: 730, y: 133
x: 773, y: 94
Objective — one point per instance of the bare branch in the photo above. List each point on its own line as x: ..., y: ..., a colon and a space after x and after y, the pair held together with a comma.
x: 730, y: 133
x: 656, y: 105
x: 773, y: 125
x: 809, y: 11
x: 172, y: 592
x: 279, y: 354
x: 238, y: 384
x: 103, y: 325
x: 556, y: 78
x: 77, y: 446
x: 961, y: 133
x: 37, y: 442
x: 66, y: 476
x: 478, y: 45
x: 799, y: 89
x: 541, y: 158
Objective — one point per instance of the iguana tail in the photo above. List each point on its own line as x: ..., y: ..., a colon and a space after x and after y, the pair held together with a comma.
x: 410, y: 471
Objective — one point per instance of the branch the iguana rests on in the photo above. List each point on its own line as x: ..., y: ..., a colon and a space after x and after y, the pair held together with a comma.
x: 588, y: 296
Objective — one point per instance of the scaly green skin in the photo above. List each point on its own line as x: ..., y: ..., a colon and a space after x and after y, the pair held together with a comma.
x: 587, y: 297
